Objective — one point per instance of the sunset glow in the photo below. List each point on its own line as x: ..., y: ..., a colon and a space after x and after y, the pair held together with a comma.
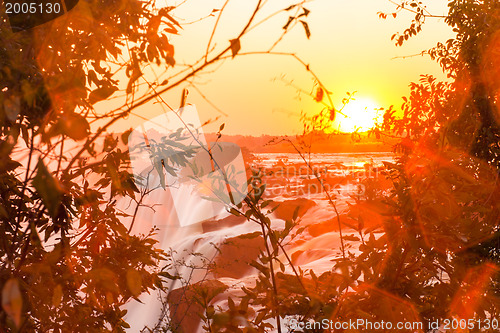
x: 359, y: 114
x: 250, y: 166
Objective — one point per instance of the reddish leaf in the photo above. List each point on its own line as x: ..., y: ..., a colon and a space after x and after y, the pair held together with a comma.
x: 75, y: 126
x: 101, y: 93
x: 306, y: 28
x: 319, y: 94
x: 48, y: 188
x: 57, y: 296
x: 290, y: 20
x: 134, y: 281
x: 12, y: 300
x: 235, y: 46
x: 332, y: 114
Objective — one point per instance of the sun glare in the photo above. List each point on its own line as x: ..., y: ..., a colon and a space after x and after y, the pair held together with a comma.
x: 360, y: 114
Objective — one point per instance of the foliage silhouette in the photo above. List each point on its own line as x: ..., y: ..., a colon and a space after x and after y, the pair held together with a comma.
x: 68, y: 261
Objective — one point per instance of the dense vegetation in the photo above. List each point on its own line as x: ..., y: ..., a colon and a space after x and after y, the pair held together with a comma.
x: 68, y: 262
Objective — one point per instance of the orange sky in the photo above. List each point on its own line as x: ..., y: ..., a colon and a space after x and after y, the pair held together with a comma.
x: 349, y: 49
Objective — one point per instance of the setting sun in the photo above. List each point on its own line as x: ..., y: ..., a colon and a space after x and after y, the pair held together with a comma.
x: 359, y: 114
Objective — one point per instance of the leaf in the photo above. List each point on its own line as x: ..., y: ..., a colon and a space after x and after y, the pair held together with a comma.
x: 282, y: 267
x: 92, y: 78
x: 172, y: 19
x: 134, y: 282
x: 332, y: 114
x: 210, y: 311
x: 12, y: 107
x: 170, y: 61
x: 169, y: 276
x: 235, y: 46
x: 261, y: 268
x: 101, y: 93
x: 231, y: 304
x: 75, y: 126
x: 250, y: 235
x: 306, y: 28
x: 313, y: 275
x: 319, y: 94
x: 290, y: 20
x: 260, y: 317
x: 57, y: 296
x: 125, y: 135
x: 171, y: 29
x: 12, y: 300
x: 351, y: 238
x: 152, y: 52
x: 48, y: 188
x: 221, y: 319
x: 361, y: 223
x: 110, y: 143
